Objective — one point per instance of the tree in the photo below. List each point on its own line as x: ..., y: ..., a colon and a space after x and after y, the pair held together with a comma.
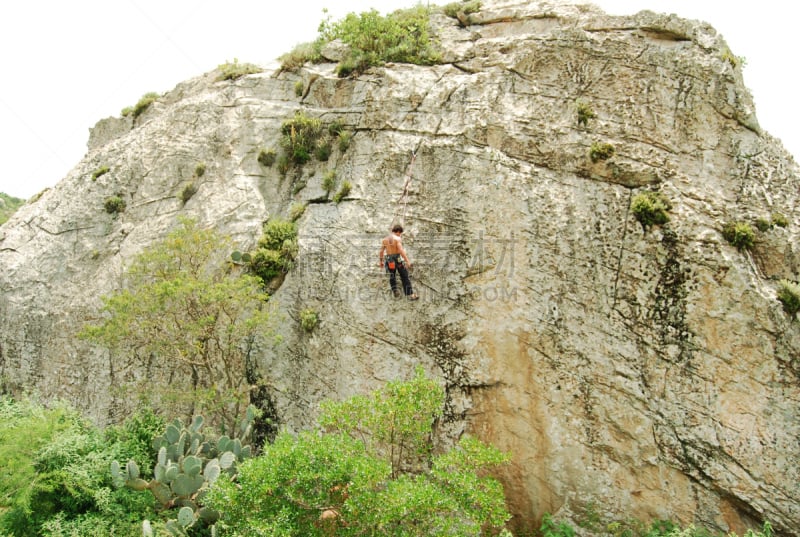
x: 367, y: 471
x: 188, y: 321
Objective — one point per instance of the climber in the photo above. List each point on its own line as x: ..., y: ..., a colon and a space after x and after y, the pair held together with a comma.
x: 396, y: 260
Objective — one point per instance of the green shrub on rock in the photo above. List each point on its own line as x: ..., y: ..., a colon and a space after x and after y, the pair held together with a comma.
x: 739, y: 234
x: 650, y: 208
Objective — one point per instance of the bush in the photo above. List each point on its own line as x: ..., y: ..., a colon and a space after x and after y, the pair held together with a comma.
x: 739, y: 234
x: 789, y: 295
x: 277, y: 249
x: 298, y: 88
x: 762, y: 224
x: 99, y: 171
x: 345, y: 137
x: 235, y: 70
x: 467, y: 8
x: 585, y: 113
x: 266, y: 157
x: 601, y: 151
x: 323, y: 149
x: 200, y: 169
x: 60, y: 484
x: 401, y: 36
x: 296, y: 211
x: 301, y: 54
x: 650, y: 208
x: 299, y: 137
x: 114, y: 205
x: 329, y: 181
x: 335, y: 128
x: 779, y: 220
x: 189, y: 190
x: 308, y: 319
x: 142, y: 105
x: 368, y: 470
x: 344, y: 191
x: 283, y: 164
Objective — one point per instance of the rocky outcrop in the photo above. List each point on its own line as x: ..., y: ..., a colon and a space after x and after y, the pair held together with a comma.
x: 637, y: 372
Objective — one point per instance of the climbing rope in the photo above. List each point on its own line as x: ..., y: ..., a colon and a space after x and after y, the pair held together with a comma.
x: 404, y: 196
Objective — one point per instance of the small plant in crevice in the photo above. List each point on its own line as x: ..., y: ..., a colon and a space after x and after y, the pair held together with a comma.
x: 200, y: 169
x: 584, y: 112
x: 298, y: 56
x: 236, y: 70
x: 309, y: 319
x: 142, y: 105
x: 266, y: 157
x: 343, y: 192
x: 601, y: 151
x: 789, y: 296
x: 102, y: 170
x: 114, y: 205
x: 335, y: 128
x: 277, y: 249
x: 189, y: 190
x: 739, y: 234
x: 296, y: 211
x: 467, y: 8
x: 650, y: 208
x: 762, y: 224
x: 733, y: 60
x: 344, y: 139
x: 283, y: 164
x: 298, y: 88
x: 778, y: 219
x: 299, y: 137
x: 323, y: 150
x: 329, y: 181
x: 240, y: 258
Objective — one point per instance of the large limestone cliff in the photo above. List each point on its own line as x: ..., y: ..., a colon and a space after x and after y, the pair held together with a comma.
x: 636, y: 372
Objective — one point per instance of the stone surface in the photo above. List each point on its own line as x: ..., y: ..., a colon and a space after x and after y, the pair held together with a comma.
x: 640, y: 373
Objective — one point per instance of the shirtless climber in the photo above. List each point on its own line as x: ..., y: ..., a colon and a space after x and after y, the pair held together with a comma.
x: 396, y: 261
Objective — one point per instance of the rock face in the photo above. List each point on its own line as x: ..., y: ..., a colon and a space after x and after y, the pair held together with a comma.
x: 636, y: 372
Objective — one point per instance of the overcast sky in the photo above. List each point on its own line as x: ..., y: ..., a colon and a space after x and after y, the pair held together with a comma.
x: 67, y: 65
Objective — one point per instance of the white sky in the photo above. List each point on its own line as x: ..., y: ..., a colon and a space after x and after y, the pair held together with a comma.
x: 68, y: 64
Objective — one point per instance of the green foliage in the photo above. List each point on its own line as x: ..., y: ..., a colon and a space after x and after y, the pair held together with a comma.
x: 102, y: 170
x: 739, y: 234
x: 184, y: 315
x: 329, y: 181
x: 200, y: 169
x: 345, y: 137
x: 299, y: 136
x: 284, y: 164
x: 369, y: 471
x: 650, y: 208
x: 114, y: 205
x: 551, y: 528
x: 235, y: 70
x: 187, y: 465
x: 277, y: 249
x: 143, y: 104
x: 296, y: 211
x: 301, y: 54
x: 466, y: 7
x: 601, y: 151
x: 401, y: 36
x: 189, y: 190
x: 54, y: 473
x: 323, y: 150
x: 298, y: 88
x: 778, y: 219
x: 585, y: 113
x: 343, y: 192
x: 335, y: 128
x: 762, y: 224
x: 308, y: 319
x: 8, y: 206
x: 266, y: 157
x: 789, y: 295
x: 734, y: 61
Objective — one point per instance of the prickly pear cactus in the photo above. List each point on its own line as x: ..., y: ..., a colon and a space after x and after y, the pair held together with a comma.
x: 187, y: 465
